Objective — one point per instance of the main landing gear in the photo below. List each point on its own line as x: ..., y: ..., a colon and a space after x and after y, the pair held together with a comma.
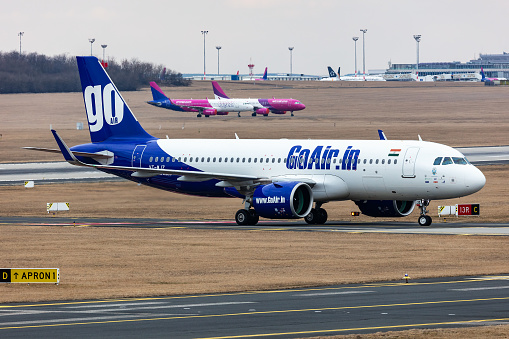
x: 245, y: 217
x: 317, y: 215
x: 424, y: 220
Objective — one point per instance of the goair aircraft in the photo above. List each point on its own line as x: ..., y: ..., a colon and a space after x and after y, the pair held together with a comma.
x: 263, y: 106
x: 206, y: 107
x: 275, y: 179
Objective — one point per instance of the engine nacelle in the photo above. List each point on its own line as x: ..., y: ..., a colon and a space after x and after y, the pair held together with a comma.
x: 210, y: 111
x: 386, y: 208
x: 283, y: 200
x: 263, y: 111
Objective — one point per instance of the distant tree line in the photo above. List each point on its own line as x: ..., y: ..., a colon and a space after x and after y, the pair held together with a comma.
x: 38, y: 73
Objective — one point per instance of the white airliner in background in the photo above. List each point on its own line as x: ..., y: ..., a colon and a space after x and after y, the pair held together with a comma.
x: 277, y: 179
x: 360, y: 77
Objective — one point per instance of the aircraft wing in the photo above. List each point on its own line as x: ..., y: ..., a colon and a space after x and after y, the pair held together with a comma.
x: 228, y: 179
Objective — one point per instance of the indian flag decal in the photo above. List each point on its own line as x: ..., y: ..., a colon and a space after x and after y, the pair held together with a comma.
x: 394, y: 152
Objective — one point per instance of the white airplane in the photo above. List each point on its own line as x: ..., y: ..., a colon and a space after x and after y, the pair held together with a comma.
x: 276, y: 179
x: 336, y: 77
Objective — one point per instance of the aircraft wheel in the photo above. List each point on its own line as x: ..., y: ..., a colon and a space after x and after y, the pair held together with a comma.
x: 253, y: 217
x: 312, y: 217
x: 198, y: 115
x: 242, y: 217
x: 424, y: 220
x: 253, y: 115
x: 322, y: 216
x: 265, y: 115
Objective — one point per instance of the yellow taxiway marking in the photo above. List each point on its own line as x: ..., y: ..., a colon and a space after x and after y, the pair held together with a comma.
x: 360, y: 328
x: 277, y: 312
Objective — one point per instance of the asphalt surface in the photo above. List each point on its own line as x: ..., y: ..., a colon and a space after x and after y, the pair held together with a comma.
x: 455, y: 227
x: 431, y: 303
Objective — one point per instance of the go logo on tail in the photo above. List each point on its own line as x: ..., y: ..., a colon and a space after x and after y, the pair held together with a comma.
x: 103, y: 105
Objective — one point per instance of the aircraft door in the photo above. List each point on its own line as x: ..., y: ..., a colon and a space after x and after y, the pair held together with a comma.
x: 409, y: 162
x: 137, y: 154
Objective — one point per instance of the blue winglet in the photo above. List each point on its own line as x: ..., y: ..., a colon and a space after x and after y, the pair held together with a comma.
x: 68, y: 156
x: 381, y: 134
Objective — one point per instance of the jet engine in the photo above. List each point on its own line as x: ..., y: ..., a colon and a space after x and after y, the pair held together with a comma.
x: 264, y: 111
x: 210, y: 111
x: 386, y: 208
x: 283, y: 200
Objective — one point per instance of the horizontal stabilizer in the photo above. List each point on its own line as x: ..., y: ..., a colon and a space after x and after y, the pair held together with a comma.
x: 79, y: 154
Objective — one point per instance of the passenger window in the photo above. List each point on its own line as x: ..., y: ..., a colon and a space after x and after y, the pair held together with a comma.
x: 185, y: 159
x: 202, y: 159
x: 365, y: 161
x: 389, y: 161
x: 459, y: 161
x: 243, y: 159
x: 220, y: 159
x: 157, y: 159
x: 273, y: 160
x: 167, y: 159
x: 370, y: 161
x: 376, y: 161
x: 437, y: 161
x: 267, y: 160
x: 231, y: 160
x: 255, y: 159
x: 447, y: 161
x: 278, y: 160
x: 395, y: 161
x: 261, y: 160
x: 383, y: 161
x: 249, y: 160
x: 208, y: 159
x: 214, y: 159
x: 151, y: 159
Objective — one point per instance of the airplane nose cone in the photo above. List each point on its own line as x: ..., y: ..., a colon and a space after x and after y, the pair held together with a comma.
x: 475, y: 180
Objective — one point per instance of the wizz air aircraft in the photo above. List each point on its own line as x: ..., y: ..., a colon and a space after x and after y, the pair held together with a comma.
x: 262, y: 106
x: 484, y: 78
x: 206, y: 107
x: 276, y: 179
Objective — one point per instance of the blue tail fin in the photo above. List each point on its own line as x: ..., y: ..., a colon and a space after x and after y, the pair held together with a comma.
x: 332, y: 74
x: 265, y: 74
x: 107, y: 113
x: 157, y: 93
x: 483, y: 77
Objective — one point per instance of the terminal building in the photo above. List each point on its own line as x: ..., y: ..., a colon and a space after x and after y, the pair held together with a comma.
x: 494, y: 65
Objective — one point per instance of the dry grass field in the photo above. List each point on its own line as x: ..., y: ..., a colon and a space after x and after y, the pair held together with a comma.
x: 104, y: 263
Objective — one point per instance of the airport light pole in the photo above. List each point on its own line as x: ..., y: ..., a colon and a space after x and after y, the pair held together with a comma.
x: 104, y: 50
x: 291, y: 51
x: 91, y: 42
x: 363, y: 54
x: 204, y: 34
x: 20, y: 34
x: 417, y: 38
x: 355, y: 38
x: 218, y: 48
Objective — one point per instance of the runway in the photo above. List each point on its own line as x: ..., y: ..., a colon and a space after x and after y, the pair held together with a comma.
x: 364, y: 308
x: 445, y: 228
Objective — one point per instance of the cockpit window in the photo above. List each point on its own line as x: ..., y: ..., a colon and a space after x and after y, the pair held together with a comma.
x: 437, y: 161
x: 447, y: 161
x: 459, y: 161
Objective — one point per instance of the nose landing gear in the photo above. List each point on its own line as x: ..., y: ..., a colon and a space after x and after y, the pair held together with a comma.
x: 424, y: 220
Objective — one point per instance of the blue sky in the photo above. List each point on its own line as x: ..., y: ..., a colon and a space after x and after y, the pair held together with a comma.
x: 321, y: 31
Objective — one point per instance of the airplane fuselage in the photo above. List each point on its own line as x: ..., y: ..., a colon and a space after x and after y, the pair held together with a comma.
x: 339, y: 170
